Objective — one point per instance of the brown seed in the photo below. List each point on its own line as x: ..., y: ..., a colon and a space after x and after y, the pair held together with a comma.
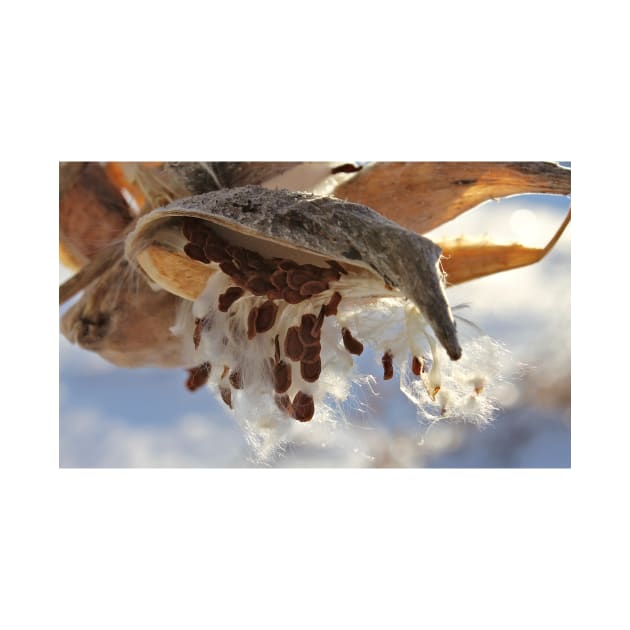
x: 251, y: 323
x: 310, y: 371
x: 279, y: 279
x: 255, y: 261
x: 346, y: 168
x: 239, y: 279
x: 213, y: 237
x: 303, y: 407
x: 226, y: 395
x: 228, y: 268
x: 198, y: 236
x: 336, y: 266
x: 287, y: 264
x: 314, y: 270
x: 215, y: 251
x: 292, y: 345
x: 312, y: 287
x: 188, y: 227
x: 281, y: 377
x: 388, y: 368
x: 198, y: 376
x: 274, y: 294
x: 292, y: 296
x: 297, y: 277
x: 266, y: 317
x: 417, y: 366
x: 353, y: 346
x: 229, y: 297
x: 307, y: 337
x: 257, y: 283
x: 329, y: 275
x: 331, y: 307
x: 236, y: 379
x: 311, y: 353
x: 239, y: 258
x: 195, y: 252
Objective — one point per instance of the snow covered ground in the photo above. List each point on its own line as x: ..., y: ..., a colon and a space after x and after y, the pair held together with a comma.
x: 111, y: 417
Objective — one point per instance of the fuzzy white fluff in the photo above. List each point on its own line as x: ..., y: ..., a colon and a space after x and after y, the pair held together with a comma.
x: 445, y: 391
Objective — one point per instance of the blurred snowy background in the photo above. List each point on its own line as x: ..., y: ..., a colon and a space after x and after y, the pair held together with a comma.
x: 114, y: 417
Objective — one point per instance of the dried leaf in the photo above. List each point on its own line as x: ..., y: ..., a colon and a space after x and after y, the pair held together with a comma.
x: 464, y: 261
x: 424, y: 195
x: 92, y: 212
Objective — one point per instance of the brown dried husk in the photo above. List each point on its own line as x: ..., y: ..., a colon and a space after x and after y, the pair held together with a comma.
x: 295, y: 225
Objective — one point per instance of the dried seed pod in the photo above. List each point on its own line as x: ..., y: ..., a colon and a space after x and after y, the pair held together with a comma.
x: 353, y: 346
x: 127, y: 322
x: 229, y: 297
x: 293, y: 347
x: 198, y: 376
x: 266, y: 316
x: 307, y: 230
x: 281, y: 377
x: 388, y: 368
x: 310, y: 371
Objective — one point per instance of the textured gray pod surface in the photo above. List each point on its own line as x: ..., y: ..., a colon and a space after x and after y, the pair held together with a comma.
x: 331, y: 228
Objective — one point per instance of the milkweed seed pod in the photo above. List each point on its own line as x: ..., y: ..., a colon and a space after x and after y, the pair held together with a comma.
x: 287, y: 287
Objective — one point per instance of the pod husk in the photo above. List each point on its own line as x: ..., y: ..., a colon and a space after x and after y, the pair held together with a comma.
x: 324, y: 227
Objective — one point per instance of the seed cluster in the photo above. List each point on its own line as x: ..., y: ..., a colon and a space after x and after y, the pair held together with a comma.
x: 276, y: 279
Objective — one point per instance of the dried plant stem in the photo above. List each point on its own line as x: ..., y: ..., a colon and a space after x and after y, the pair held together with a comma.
x: 93, y: 270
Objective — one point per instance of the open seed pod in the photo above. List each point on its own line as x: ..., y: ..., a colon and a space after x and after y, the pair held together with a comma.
x: 181, y: 245
x: 278, y: 277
